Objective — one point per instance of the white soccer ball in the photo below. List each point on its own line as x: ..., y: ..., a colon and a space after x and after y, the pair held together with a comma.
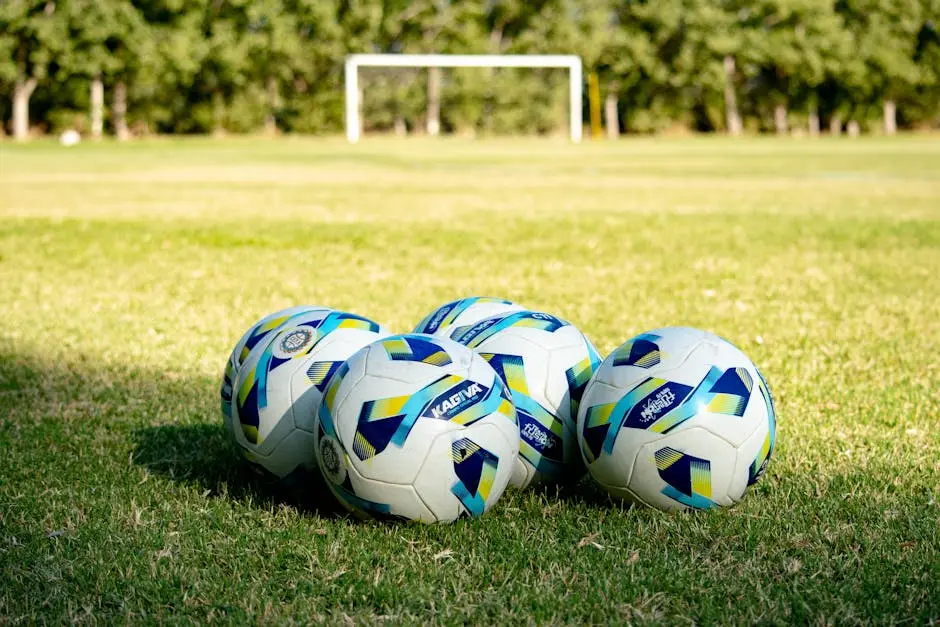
x: 279, y: 387
x: 677, y: 418
x: 545, y: 362
x: 70, y: 138
x: 419, y: 428
x: 256, y: 334
x: 464, y: 312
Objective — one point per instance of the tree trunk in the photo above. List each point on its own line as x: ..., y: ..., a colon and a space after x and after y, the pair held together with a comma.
x: 97, y: 107
x: 434, y: 101
x: 119, y: 111
x: 891, y: 117
x: 835, y: 125
x: 780, y: 119
x: 496, y: 37
x: 813, y: 122
x: 611, y: 113
x: 22, y: 90
x: 274, y: 103
x: 732, y: 115
x: 853, y: 128
x: 401, y: 129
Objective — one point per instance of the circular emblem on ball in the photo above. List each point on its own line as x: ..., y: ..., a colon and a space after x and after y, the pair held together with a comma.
x: 295, y: 341
x: 331, y: 460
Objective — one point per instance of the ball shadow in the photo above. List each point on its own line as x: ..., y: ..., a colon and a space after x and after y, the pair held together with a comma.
x: 197, y: 451
x: 583, y: 491
x: 203, y: 454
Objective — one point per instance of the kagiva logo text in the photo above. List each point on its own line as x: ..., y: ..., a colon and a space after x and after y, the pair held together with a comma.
x: 458, y: 400
x: 435, y: 322
x: 653, y: 406
x: 476, y: 330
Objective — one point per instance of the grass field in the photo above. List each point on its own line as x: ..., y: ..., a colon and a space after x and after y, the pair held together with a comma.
x: 128, y: 272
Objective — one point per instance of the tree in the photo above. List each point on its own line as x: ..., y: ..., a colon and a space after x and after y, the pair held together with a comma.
x: 109, y: 38
x: 886, y: 36
x: 655, y: 50
x: 35, y: 34
x: 224, y: 71
x: 281, y: 37
x: 923, y: 104
x: 161, y: 84
x: 796, y: 44
x: 589, y: 29
x: 201, y: 65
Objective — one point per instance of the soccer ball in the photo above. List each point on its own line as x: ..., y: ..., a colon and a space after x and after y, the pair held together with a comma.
x: 677, y: 418
x: 256, y: 334
x: 461, y: 313
x: 419, y: 428
x: 279, y: 387
x: 545, y: 362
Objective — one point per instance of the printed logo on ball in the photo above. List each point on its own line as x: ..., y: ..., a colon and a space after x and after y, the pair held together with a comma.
x: 295, y: 341
x: 455, y: 400
x: 469, y: 333
x: 657, y: 404
x: 435, y: 322
x: 331, y: 460
x: 538, y: 437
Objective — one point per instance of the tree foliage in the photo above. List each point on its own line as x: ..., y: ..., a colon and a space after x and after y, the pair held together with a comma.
x: 247, y: 65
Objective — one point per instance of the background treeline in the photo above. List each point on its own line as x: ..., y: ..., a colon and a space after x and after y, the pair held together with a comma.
x: 192, y: 66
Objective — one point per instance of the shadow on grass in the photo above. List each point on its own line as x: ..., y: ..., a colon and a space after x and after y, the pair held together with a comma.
x: 584, y: 491
x: 81, y: 397
x: 202, y: 454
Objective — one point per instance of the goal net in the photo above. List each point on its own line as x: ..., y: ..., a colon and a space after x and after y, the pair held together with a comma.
x: 355, y: 61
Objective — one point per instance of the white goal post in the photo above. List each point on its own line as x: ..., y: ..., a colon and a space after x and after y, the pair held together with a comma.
x: 355, y: 61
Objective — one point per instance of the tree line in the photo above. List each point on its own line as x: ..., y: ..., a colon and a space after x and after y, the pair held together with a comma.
x: 195, y: 66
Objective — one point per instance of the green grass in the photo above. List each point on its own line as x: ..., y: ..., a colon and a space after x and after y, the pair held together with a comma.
x: 127, y: 273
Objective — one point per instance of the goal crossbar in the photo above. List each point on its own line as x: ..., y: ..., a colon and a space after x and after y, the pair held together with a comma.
x: 570, y: 62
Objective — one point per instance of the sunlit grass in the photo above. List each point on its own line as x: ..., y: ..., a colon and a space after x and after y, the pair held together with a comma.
x: 127, y: 272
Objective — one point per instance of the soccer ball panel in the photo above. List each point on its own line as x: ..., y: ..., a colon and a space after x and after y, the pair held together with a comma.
x: 718, y: 398
x: 755, y: 453
x: 471, y: 460
x: 374, y: 435
x: 464, y: 312
x: 380, y: 497
x: 569, y: 369
x: 294, y: 449
x: 423, y: 355
x: 752, y: 456
x: 523, y: 473
x: 625, y: 494
x: 534, y: 362
x: 692, y: 468
x: 660, y: 348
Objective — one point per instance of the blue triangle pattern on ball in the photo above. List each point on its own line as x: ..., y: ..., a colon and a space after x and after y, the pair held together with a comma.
x: 735, y: 381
